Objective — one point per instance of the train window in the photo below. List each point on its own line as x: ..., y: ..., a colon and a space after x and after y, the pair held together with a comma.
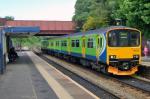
x: 77, y: 43
x: 135, y: 39
x: 45, y: 43
x: 51, y: 43
x: 90, y: 43
x: 112, y: 39
x: 65, y: 43
x: 101, y: 42
x: 62, y: 43
x: 98, y: 42
x: 123, y: 38
x: 73, y: 43
x: 57, y: 43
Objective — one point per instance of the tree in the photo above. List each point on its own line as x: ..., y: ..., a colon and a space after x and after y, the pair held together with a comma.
x: 9, y: 18
x: 93, y: 14
x: 99, y: 12
x: 1, y: 24
x: 136, y: 13
x: 82, y: 9
x: 30, y: 42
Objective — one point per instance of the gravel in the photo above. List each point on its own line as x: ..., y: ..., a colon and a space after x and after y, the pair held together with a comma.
x: 115, y: 87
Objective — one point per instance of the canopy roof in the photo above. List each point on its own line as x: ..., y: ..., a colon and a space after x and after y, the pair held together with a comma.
x: 21, y: 31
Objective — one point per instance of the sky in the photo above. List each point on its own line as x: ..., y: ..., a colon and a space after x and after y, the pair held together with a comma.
x: 60, y: 10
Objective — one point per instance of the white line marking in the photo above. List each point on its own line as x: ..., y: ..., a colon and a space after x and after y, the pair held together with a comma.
x: 58, y: 89
x: 74, y: 82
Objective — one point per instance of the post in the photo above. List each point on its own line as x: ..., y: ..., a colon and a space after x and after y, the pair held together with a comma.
x: 7, y: 43
x: 1, y: 50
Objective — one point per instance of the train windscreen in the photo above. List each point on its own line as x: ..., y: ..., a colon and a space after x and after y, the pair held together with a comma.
x: 124, y: 38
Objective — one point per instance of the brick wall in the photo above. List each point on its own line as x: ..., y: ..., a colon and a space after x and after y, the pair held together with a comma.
x: 2, y: 21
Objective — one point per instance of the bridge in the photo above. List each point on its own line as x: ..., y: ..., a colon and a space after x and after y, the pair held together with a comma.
x: 47, y: 28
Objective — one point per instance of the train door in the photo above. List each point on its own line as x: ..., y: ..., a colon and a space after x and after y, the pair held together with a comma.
x: 69, y: 46
x: 97, y: 47
x: 83, y: 46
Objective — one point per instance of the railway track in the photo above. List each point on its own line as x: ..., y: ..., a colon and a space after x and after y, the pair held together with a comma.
x: 127, y: 83
x: 98, y: 91
x: 135, y: 83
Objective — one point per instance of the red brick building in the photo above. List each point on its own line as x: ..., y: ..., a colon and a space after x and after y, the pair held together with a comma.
x: 2, y: 21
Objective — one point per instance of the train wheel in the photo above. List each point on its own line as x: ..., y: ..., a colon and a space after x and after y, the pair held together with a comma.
x: 105, y: 70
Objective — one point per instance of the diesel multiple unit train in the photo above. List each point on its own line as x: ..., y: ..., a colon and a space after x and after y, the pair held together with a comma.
x: 115, y: 50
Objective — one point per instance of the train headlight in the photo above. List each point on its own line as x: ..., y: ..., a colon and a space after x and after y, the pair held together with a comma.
x: 135, y: 56
x: 112, y: 56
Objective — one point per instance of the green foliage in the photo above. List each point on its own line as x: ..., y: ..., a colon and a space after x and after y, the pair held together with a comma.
x: 30, y: 42
x: 81, y: 13
x: 100, y: 10
x: 1, y: 24
x: 9, y: 18
x: 93, y: 14
x: 136, y: 13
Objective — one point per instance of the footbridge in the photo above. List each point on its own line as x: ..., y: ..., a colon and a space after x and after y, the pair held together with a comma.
x: 47, y: 28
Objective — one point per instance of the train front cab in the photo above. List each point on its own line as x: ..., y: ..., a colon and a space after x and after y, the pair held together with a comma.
x: 123, y: 51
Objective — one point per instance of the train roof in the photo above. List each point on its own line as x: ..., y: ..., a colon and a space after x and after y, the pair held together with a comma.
x: 97, y: 31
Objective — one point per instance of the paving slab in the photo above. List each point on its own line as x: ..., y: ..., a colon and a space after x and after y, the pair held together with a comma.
x: 146, y: 61
x: 23, y: 81
x: 64, y: 87
x: 30, y: 77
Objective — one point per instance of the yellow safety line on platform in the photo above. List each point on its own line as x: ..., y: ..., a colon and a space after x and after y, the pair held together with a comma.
x: 58, y: 89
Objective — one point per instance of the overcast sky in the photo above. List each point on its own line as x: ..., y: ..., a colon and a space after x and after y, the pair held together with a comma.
x: 61, y: 10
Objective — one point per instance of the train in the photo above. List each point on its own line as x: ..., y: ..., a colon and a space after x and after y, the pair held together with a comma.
x: 113, y: 50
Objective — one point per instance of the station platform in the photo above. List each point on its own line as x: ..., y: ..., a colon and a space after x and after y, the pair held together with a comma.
x: 146, y: 61
x: 30, y: 77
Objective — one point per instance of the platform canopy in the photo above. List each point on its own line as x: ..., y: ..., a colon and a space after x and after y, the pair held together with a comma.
x: 21, y: 31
